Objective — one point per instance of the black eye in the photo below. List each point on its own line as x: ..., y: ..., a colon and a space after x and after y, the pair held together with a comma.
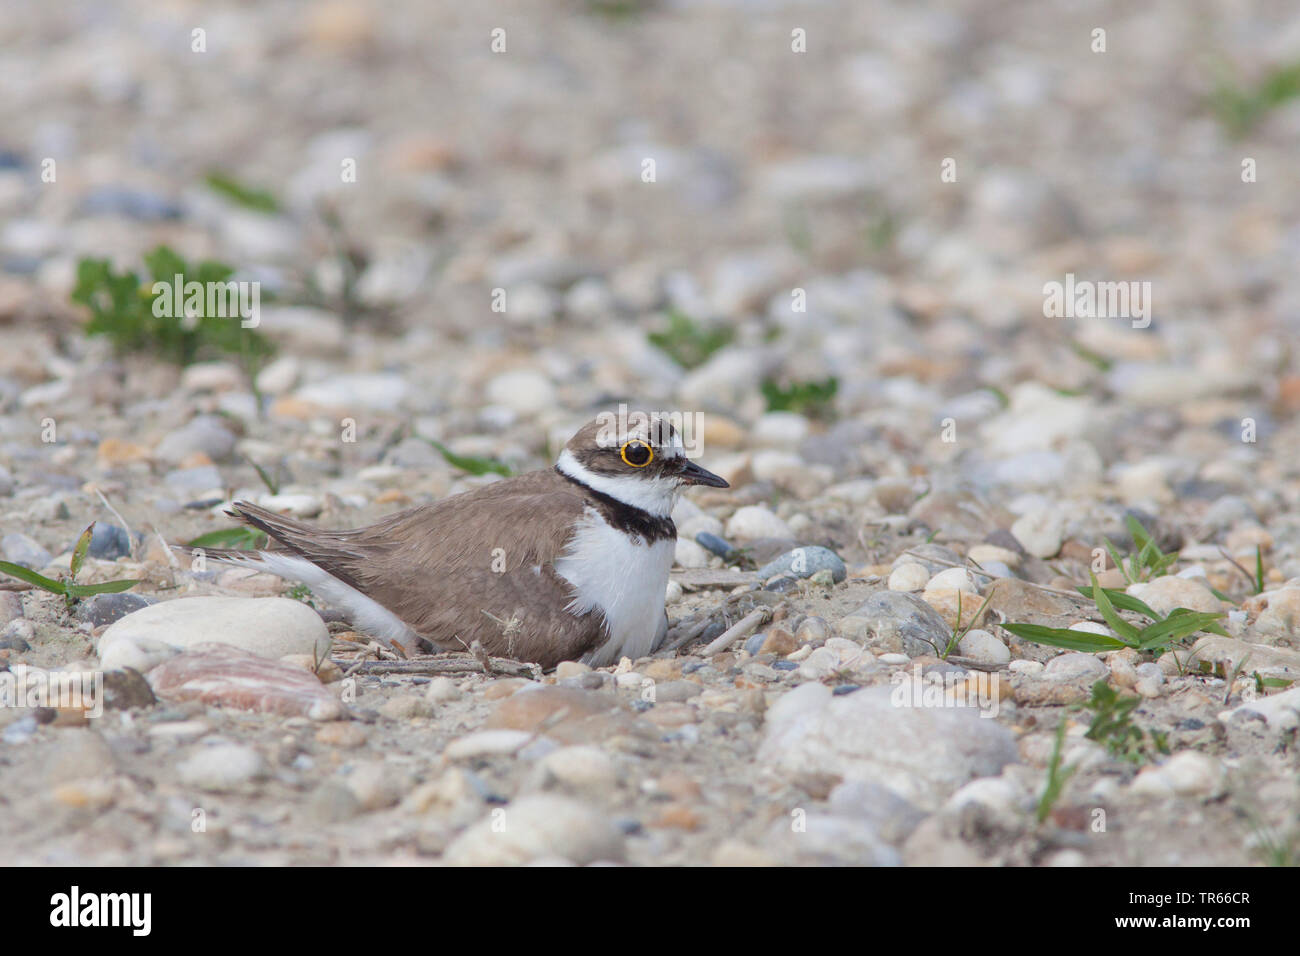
x: 637, y: 453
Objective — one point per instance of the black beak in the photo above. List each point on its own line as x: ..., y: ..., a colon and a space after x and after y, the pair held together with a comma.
x: 693, y: 474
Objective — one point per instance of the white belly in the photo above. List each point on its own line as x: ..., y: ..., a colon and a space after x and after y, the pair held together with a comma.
x: 622, y: 577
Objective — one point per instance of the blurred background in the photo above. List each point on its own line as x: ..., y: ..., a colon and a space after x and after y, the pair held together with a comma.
x: 499, y: 155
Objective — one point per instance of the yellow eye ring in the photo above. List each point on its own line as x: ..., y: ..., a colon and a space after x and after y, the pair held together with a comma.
x: 636, y: 445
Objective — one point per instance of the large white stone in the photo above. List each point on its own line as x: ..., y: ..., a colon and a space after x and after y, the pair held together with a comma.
x: 268, y: 627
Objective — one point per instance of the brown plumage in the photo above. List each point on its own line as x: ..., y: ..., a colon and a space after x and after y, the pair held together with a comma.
x: 482, y: 565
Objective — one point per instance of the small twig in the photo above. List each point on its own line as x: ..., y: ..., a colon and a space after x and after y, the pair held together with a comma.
x: 443, y: 665
x: 956, y: 564
x: 742, y: 628
x: 1231, y: 560
x: 125, y: 527
x: 167, y: 548
x: 688, y: 633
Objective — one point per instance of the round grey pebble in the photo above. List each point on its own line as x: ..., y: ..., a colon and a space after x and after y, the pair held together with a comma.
x: 806, y: 561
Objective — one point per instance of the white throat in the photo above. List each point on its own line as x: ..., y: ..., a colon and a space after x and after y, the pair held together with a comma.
x: 655, y: 495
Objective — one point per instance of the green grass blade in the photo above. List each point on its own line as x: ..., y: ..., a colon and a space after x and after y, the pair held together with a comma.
x: 1062, y: 637
x: 1179, y: 624
x: 475, y: 466
x: 108, y: 587
x: 31, y: 577
x: 1126, y: 631
x: 1122, y: 600
x: 238, y: 539
x: 1119, y: 562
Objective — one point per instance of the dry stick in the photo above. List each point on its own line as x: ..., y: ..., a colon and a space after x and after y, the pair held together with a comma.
x: 1233, y: 561
x: 500, y: 665
x: 167, y: 548
x: 742, y: 628
x: 125, y: 527
x: 689, y: 632
x: 955, y: 564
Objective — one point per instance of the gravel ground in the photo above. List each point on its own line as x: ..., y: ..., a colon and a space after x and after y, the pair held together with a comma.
x: 886, y: 208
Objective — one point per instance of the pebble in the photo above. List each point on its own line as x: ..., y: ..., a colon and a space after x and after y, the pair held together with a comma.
x: 898, y: 621
x: 922, y: 753
x: 1187, y: 773
x: 377, y: 785
x: 442, y: 690
x: 268, y: 627
x: 568, y: 714
x: 909, y: 576
x: 756, y: 521
x: 525, y: 391
x: 1040, y: 531
x: 108, y: 542
x: 688, y: 554
x: 1075, y: 667
x: 332, y: 802
x: 986, y: 554
x: 205, y: 434
x: 378, y: 392
x: 1280, y: 617
x: 77, y: 755
x: 11, y: 606
x: 1164, y: 594
x: 221, y: 675
x: 893, y: 817
x: 805, y: 562
x: 539, y: 826
x: 221, y: 767
x: 579, y: 769
x: 343, y: 734
x: 18, y: 548
x: 407, y: 707
x: 780, y: 430
x: 195, y: 480
x: 712, y: 543
x: 102, y: 610
x: 488, y: 743
x: 982, y: 646
x: 958, y: 579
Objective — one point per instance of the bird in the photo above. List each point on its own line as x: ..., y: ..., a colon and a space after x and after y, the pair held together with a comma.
x: 559, y: 564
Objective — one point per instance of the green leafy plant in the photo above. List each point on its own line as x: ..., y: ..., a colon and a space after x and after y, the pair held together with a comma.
x: 1057, y: 776
x: 67, y: 586
x: 475, y: 466
x: 1156, y: 637
x: 813, y: 399
x: 1112, y: 725
x: 122, y: 309
x: 258, y: 200
x: 687, y: 342
x: 1147, y: 562
x: 242, y: 538
x: 1239, y: 108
